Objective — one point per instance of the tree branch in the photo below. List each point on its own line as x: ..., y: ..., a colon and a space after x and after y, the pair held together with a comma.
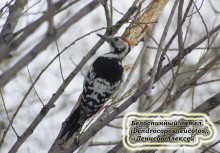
x: 28, y: 30
x: 156, y: 62
x: 7, y: 75
x: 15, y: 12
x: 66, y: 82
x: 58, y: 145
x: 100, y: 122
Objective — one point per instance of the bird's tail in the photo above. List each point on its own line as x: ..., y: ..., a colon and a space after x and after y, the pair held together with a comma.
x: 72, y: 124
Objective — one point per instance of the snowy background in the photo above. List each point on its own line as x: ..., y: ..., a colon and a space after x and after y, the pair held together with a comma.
x: 46, y: 132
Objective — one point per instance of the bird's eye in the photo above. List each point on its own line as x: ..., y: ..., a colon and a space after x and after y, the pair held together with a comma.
x: 116, y: 39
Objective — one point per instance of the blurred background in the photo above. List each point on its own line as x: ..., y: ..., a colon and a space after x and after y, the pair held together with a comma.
x: 16, y: 89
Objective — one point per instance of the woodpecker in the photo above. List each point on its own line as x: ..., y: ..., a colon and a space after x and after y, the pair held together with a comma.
x: 102, y: 80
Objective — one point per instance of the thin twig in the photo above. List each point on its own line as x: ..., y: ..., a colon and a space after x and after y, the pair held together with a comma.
x: 188, y: 84
x: 34, y: 87
x: 188, y: 26
x: 156, y: 61
x: 6, y: 111
x: 7, y: 75
x: 60, y: 90
x: 7, y: 4
x: 204, y: 82
x: 100, y: 123
x: 81, y: 71
x: 67, y: 6
x: 114, y: 126
x: 5, y: 51
x: 197, y: 9
x: 203, y: 24
x: 213, y: 8
x: 205, y: 107
x: 173, y: 36
x: 176, y: 49
x: 60, y: 64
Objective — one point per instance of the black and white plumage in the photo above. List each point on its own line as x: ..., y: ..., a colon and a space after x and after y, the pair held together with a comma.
x: 102, y: 80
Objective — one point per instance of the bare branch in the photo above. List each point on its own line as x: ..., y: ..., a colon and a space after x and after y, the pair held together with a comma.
x: 107, y: 13
x: 34, y: 87
x: 173, y: 37
x: 58, y: 142
x: 136, y: 33
x: 156, y: 62
x: 203, y: 24
x: 58, y: 51
x: 5, y: 51
x: 213, y: 8
x: 50, y: 26
x: 117, y: 148
x: 66, y: 82
x: 15, y: 12
x: 175, y: 61
x: 188, y: 84
x: 3, y: 137
x: 100, y: 122
x: 86, y: 145
x: 6, y: 76
x: 214, y: 144
x: 103, y: 143
x: 205, y: 107
x: 192, y: 63
x: 180, y: 32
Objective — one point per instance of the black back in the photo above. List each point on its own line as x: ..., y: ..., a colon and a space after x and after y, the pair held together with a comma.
x: 109, y: 69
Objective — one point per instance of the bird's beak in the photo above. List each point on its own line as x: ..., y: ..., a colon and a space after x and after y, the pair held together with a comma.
x: 105, y: 38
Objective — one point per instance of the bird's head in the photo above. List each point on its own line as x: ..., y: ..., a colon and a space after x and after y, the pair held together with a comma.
x: 120, y: 46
